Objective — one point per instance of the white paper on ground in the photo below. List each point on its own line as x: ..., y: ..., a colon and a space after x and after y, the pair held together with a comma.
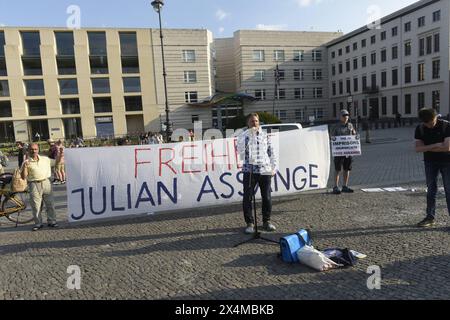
x: 373, y: 190
x: 396, y: 189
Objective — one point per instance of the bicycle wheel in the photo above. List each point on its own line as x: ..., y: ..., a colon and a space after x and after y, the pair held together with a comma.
x: 17, y: 208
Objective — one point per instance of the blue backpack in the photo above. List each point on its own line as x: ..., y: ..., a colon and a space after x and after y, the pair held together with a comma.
x: 289, y: 245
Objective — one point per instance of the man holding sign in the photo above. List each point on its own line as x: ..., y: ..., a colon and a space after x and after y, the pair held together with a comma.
x: 343, y: 129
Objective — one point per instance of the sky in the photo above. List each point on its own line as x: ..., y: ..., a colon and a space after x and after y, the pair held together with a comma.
x: 222, y: 17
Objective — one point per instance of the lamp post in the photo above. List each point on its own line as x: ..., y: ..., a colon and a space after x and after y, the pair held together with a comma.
x: 157, y: 5
x: 349, y: 108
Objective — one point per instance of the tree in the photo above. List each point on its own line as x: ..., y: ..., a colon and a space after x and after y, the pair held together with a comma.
x: 264, y: 118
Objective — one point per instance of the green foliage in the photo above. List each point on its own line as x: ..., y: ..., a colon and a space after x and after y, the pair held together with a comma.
x: 240, y: 121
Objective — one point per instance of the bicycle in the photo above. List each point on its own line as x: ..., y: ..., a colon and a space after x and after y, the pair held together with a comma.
x: 15, y: 205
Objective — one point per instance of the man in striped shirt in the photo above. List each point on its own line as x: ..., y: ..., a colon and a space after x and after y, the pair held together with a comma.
x: 260, y: 165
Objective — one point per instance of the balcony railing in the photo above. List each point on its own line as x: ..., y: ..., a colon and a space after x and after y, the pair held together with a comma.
x: 371, y: 90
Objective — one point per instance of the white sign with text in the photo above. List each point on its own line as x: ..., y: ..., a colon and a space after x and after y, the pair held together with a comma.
x: 346, y: 146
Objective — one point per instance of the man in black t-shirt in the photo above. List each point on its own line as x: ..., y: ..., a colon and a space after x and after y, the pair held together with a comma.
x: 433, y: 139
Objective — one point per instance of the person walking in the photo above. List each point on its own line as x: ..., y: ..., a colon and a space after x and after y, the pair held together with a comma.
x: 60, y: 170
x: 260, y: 165
x: 37, y: 171
x: 343, y: 128
x: 433, y: 140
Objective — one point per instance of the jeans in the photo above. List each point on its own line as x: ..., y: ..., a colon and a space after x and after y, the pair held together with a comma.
x: 432, y: 170
x: 264, y: 183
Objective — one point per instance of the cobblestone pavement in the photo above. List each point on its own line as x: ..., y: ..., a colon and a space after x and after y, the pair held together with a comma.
x: 190, y: 254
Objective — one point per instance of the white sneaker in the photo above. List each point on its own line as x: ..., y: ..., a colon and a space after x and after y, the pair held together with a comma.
x: 250, y: 229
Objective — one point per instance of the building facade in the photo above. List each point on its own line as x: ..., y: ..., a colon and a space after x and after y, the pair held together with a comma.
x: 287, y: 71
x: 398, y: 66
x: 59, y: 83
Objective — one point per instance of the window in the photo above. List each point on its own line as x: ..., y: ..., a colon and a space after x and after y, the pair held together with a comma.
x: 436, y: 100
x: 383, y: 55
x: 281, y: 74
x: 437, y: 16
x: 355, y: 85
x: 421, y: 72
x: 394, y: 77
x: 31, y: 43
x: 299, y: 55
x: 408, y: 27
x: 317, y: 74
x: 408, y: 74
x: 318, y: 93
x: 394, y: 104
x: 4, y: 88
x: 133, y: 103
x: 364, y: 107
x: 341, y: 69
x: 260, y: 94
x: 299, y: 93
x: 422, y: 47
x: 100, y: 85
x: 340, y: 52
x: 373, y: 39
x: 436, y: 69
x: 429, y: 42
x: 333, y: 55
x: 333, y: 86
x: 129, y: 52
x: 5, y: 109
x: 299, y: 74
x: 421, y: 100
x: 318, y: 113
x: 104, y: 126
x: 394, y: 31
x: 64, y: 44
x: 99, y: 64
x: 281, y: 114
x: 347, y: 49
x: 3, y: 71
x: 364, y: 82
x: 383, y: 79
x: 407, y: 104
x: 189, y: 55
x: 317, y: 55
x: 373, y: 58
x: 299, y: 115
x: 364, y: 61
x: 70, y: 106
x: 2, y: 44
x: 32, y: 66
x: 349, y: 86
x: 68, y: 86
x: 102, y: 105
x: 195, y: 118
x: 97, y: 43
x: 37, y: 108
x: 363, y: 43
x: 436, y: 42
x: 281, y: 94
x: 421, y: 22
x: 72, y: 128
x: 66, y: 65
x: 355, y: 64
x: 191, y: 76
x: 347, y: 65
x: 34, y: 88
x: 394, y: 52
x: 132, y: 84
x: 384, y: 106
x: 333, y: 70
x: 383, y: 35
x: 260, y: 75
x: 374, y: 80
x: 191, y: 97
x: 334, y: 110
x: 355, y: 46
x: 341, y: 87
x: 278, y: 55
x: 407, y: 48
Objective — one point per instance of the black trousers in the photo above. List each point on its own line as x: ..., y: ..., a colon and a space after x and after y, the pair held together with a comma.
x: 264, y: 183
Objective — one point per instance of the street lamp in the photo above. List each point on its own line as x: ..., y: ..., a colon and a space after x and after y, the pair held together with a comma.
x: 157, y: 5
x: 349, y: 107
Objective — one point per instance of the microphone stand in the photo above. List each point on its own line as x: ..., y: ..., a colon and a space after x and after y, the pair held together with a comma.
x: 256, y: 235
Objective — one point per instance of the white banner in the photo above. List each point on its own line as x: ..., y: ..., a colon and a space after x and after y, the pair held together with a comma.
x: 345, y: 146
x: 118, y: 181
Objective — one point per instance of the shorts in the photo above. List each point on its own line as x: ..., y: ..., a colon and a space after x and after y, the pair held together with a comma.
x: 60, y: 167
x: 343, y: 162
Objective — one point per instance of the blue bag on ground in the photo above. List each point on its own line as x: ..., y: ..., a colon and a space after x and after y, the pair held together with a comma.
x: 289, y: 245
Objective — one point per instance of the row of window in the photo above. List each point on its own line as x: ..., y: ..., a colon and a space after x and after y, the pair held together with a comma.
x: 72, y: 106
x: 298, y: 94
x: 300, y: 115
x: 421, y: 22
x: 279, y: 55
x: 427, y: 45
x: 421, y: 76
x: 372, y: 108
x: 298, y: 74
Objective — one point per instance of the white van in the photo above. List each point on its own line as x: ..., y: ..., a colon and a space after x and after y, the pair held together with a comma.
x: 281, y: 127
